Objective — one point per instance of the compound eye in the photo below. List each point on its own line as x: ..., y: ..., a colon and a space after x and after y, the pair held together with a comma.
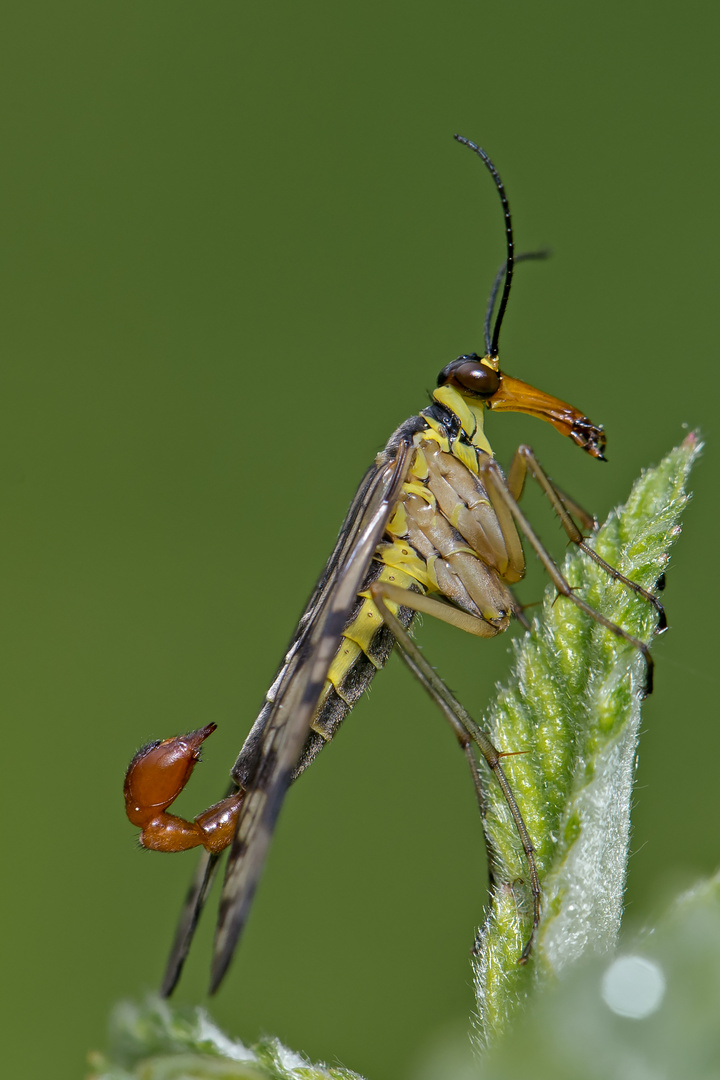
x: 469, y: 373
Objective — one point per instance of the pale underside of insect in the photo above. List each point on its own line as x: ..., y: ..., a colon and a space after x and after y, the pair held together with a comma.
x: 435, y: 528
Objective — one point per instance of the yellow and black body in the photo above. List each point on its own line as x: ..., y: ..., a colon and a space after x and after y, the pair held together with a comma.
x: 443, y: 538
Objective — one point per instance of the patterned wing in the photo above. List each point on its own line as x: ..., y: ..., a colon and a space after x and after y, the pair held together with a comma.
x: 278, y: 735
x: 296, y: 696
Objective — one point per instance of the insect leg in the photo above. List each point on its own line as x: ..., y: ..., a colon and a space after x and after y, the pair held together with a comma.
x: 427, y: 605
x: 515, y: 481
x: 525, y: 461
x: 465, y: 728
x: 504, y: 502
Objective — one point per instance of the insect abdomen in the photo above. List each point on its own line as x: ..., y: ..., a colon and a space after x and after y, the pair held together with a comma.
x: 354, y: 666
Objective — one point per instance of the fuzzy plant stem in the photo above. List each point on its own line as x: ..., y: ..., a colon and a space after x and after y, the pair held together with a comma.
x: 573, y: 705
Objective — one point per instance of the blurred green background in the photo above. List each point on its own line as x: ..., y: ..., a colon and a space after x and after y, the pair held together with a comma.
x: 238, y: 243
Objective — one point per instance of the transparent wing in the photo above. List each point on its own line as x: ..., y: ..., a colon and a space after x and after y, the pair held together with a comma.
x: 272, y: 748
x: 295, y: 703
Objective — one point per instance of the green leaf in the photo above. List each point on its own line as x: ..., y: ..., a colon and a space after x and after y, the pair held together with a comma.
x: 155, y: 1041
x: 573, y: 705
x: 649, y: 1011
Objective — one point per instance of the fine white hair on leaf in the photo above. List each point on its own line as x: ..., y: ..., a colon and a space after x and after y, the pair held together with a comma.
x: 573, y: 707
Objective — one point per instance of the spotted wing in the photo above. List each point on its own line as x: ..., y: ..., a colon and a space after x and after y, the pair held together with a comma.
x: 278, y: 735
x: 296, y: 698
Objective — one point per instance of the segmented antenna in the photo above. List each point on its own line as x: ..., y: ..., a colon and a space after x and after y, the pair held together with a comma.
x: 510, y: 261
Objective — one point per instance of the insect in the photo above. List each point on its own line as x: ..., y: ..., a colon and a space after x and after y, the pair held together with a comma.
x: 435, y: 527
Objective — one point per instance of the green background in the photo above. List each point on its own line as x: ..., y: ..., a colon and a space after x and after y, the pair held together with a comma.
x: 238, y: 243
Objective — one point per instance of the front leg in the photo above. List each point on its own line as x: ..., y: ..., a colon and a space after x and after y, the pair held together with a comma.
x: 500, y: 496
x: 525, y: 461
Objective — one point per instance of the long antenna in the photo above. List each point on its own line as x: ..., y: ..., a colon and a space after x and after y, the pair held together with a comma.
x: 510, y: 261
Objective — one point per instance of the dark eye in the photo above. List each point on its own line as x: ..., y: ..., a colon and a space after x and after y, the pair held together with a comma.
x: 469, y: 373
